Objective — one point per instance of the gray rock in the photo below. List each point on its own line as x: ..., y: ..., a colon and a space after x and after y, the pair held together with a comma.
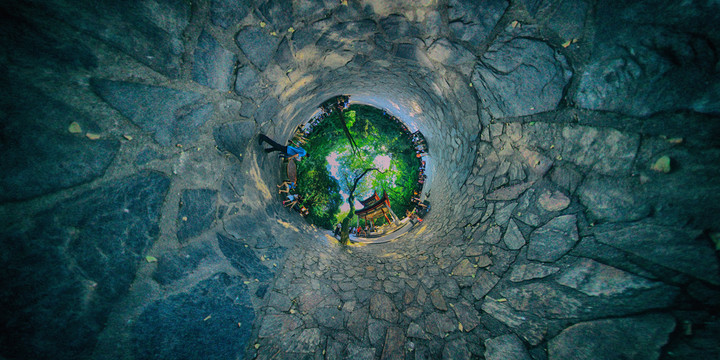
x: 134, y: 28
x: 632, y: 338
x: 554, y: 239
x: 513, y: 238
x: 258, y: 45
x: 467, y: 315
x: 178, y: 263
x: 397, y: 27
x: 612, y: 199
x: 565, y: 177
x: 485, y: 281
x: 278, y: 325
x: 155, y: 109
x: 39, y: 155
x: 227, y: 13
x: 183, y: 325
x: 330, y: 317
x: 213, y: 66
x: 529, y: 330
x: 553, y: 200
x: 520, y: 76
x: 445, y: 52
x: 234, y: 137
x: 361, y: 353
x: 628, y: 75
x: 568, y: 19
x: 595, y: 279
x: 243, y: 258
x: 305, y: 342
x: 456, y: 350
x: 531, y: 271
x: 358, y: 322
x: 197, y: 212
x: 415, y: 331
x: 439, y: 324
x: 146, y: 155
x: 279, y: 13
x: 394, y: 347
x: 82, y: 246
x: 670, y: 247
x: 505, y: 347
x: 246, y: 82
x: 502, y: 214
x: 438, y: 300
x: 605, y: 151
x: 471, y: 21
x: 383, y: 308
x: 509, y: 192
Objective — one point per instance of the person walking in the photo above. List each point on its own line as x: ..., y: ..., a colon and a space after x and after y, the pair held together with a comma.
x: 288, y: 152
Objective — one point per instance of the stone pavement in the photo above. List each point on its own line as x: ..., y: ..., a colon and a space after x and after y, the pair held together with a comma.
x: 574, y: 183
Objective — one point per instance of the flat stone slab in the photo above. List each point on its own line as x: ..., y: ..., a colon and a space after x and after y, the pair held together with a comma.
x: 383, y: 308
x: 519, y: 77
x: 639, y: 337
x: 509, y: 192
x: 136, y: 29
x: 243, y: 258
x: 169, y: 115
x: 394, y: 347
x: 277, y: 325
x: 531, y: 271
x: 505, y: 347
x: 554, y: 239
x: 213, y: 319
x: 627, y: 75
x: 197, y: 212
x: 553, y: 201
x: 663, y: 245
x: 226, y: 13
x: 613, y: 199
x: 213, y: 66
x: 234, y: 137
x: 471, y: 21
x: 467, y: 315
x: 82, y: 246
x: 258, y: 45
x: 42, y: 157
x: 513, y: 238
x: 595, y: 279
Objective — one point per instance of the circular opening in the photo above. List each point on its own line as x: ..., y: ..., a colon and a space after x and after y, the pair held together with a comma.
x: 364, y: 164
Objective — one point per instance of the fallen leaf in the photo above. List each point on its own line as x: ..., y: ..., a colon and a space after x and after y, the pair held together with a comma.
x: 151, y: 259
x: 501, y: 300
x: 567, y: 43
x: 514, y: 24
x: 291, y: 29
x: 92, y: 136
x: 74, y: 128
x: 207, y: 318
x: 184, y: 218
x: 257, y: 346
x: 273, y: 33
x: 262, y: 24
x: 246, y: 282
x: 128, y: 137
x: 239, y: 324
x: 460, y: 327
x: 662, y: 165
x: 675, y: 140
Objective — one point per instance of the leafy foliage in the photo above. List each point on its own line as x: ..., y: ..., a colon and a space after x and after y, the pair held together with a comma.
x: 378, y: 137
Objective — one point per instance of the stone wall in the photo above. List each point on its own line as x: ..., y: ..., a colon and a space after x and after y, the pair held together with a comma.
x: 573, y: 148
